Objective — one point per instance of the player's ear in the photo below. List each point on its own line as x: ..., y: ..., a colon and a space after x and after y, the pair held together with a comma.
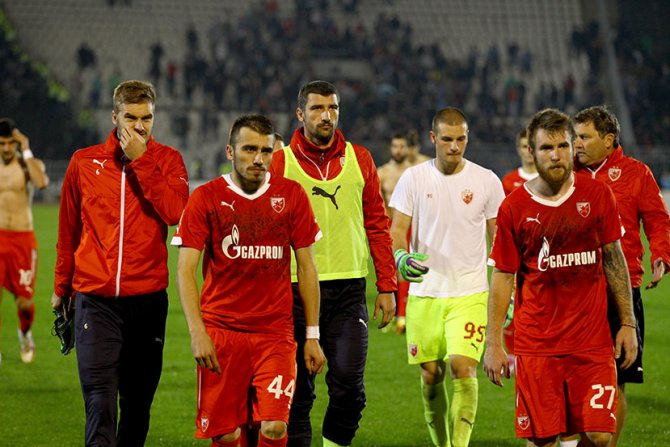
x: 229, y: 152
x: 300, y: 114
x: 433, y: 137
x: 114, y: 118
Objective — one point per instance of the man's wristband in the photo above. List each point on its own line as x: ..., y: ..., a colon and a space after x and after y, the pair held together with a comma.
x: 629, y: 325
x: 312, y: 332
x: 27, y: 154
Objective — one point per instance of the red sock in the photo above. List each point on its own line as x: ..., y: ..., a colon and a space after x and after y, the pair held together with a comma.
x: 26, y: 317
x: 221, y: 443
x: 267, y: 442
x: 239, y: 442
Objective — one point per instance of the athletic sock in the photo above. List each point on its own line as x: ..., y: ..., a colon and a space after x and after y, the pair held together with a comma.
x: 26, y: 317
x: 267, y: 442
x: 570, y: 443
x: 435, y: 406
x: 463, y: 410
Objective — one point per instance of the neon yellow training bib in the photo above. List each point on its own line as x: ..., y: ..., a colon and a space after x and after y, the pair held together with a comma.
x: 342, y: 252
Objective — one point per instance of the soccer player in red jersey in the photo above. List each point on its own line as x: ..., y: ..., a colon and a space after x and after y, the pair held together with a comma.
x: 510, y: 182
x: 560, y: 236
x: 527, y: 171
x: 241, y: 324
x: 600, y: 156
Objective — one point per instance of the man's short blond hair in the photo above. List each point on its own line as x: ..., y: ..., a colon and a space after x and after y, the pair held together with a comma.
x: 133, y: 92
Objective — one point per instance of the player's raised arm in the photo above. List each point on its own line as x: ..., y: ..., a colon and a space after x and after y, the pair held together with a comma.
x: 36, y: 169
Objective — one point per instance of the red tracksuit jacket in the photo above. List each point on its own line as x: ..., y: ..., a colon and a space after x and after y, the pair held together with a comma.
x: 639, y: 199
x: 113, y: 219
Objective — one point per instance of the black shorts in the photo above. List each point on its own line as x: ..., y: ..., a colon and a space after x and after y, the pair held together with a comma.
x: 634, y: 373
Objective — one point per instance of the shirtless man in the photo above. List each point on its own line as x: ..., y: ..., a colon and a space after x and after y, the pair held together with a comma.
x: 390, y: 172
x: 20, y: 172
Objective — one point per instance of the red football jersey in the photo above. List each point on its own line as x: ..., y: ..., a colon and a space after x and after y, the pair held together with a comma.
x: 556, y: 250
x: 247, y: 241
x: 514, y: 179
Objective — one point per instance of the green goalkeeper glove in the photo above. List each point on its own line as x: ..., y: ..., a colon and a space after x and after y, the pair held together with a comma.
x: 410, y: 269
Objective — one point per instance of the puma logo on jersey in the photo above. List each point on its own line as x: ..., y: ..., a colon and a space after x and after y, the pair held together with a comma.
x: 229, y: 205
x: 101, y: 163
x: 316, y: 191
x: 534, y: 219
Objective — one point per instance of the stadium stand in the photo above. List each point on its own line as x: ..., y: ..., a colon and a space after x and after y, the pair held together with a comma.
x: 394, y: 61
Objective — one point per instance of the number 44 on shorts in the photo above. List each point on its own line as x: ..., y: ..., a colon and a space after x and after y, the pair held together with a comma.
x: 277, y: 387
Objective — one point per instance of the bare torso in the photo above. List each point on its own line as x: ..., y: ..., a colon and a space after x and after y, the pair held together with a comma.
x: 15, y: 198
x: 389, y: 174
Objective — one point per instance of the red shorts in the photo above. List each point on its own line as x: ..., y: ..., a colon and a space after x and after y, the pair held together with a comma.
x: 18, y: 262
x: 256, y: 384
x: 566, y: 394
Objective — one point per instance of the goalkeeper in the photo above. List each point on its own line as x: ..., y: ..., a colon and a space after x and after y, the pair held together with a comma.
x: 451, y: 204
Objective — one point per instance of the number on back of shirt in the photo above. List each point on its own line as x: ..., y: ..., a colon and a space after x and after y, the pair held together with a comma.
x: 277, y: 387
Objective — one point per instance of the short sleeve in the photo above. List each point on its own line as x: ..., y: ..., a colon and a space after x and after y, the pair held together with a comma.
x: 193, y: 229
x: 304, y: 230
x: 505, y: 253
x: 496, y: 196
x: 402, y: 198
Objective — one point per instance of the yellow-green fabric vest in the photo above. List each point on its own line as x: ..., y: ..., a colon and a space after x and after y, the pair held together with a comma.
x: 342, y: 252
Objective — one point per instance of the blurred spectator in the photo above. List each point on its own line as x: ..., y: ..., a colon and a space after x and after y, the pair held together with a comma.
x: 171, y: 75
x: 85, y: 57
x: 95, y: 91
x: 155, y: 68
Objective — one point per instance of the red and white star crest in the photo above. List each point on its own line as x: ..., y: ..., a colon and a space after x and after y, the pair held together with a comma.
x: 523, y: 421
x: 278, y: 204
x: 614, y: 174
x: 467, y: 196
x: 584, y: 208
x: 413, y: 350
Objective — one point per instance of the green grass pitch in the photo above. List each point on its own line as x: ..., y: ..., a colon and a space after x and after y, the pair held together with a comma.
x: 41, y: 403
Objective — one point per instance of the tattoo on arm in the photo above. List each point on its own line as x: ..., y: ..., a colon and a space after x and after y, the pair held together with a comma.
x: 618, y: 281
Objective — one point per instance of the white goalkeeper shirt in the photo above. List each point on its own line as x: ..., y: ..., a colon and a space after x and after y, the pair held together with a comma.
x: 449, y: 214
